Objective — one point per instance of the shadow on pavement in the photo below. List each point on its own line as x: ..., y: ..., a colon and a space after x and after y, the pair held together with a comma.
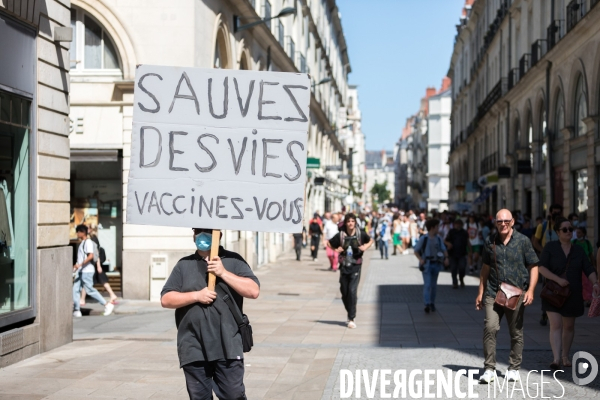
x: 339, y: 323
x: 457, y: 325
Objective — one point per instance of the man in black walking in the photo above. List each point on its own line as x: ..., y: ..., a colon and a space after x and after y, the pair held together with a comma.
x: 458, y: 244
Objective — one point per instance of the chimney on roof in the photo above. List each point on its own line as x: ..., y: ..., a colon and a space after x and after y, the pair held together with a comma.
x: 446, y: 82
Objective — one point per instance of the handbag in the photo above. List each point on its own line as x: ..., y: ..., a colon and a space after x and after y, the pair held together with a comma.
x: 241, y: 320
x: 555, y: 294
x: 507, y: 295
x: 594, y: 308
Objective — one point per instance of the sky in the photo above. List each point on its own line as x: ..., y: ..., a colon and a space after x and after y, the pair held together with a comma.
x: 397, y: 48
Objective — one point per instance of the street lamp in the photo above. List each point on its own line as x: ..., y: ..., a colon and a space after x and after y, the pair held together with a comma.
x: 322, y: 81
x: 283, y: 13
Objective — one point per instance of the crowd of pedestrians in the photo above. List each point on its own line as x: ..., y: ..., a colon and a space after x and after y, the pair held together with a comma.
x: 509, y: 251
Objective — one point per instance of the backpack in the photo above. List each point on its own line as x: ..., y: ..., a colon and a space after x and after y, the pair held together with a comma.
x: 545, y: 232
x: 358, y: 239
x: 96, y: 252
x: 424, y: 248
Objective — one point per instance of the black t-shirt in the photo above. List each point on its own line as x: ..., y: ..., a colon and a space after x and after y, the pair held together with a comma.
x: 207, y: 332
x: 350, y: 241
x: 459, y: 238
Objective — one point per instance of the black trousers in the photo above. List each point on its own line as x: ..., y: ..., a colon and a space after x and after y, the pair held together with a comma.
x: 315, y: 241
x: 458, y: 266
x: 225, y: 377
x: 298, y: 248
x: 349, y: 289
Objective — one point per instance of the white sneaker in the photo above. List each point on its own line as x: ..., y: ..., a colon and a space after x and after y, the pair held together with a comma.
x: 108, y: 309
x: 351, y: 325
x: 77, y: 314
x: 512, y: 375
x: 487, y: 377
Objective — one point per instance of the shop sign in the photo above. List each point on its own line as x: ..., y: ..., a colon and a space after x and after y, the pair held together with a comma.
x: 313, y: 163
x: 220, y: 149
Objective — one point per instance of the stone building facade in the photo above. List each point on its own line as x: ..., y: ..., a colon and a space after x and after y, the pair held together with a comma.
x: 112, y: 37
x: 438, y: 148
x: 35, y: 257
x: 526, y: 95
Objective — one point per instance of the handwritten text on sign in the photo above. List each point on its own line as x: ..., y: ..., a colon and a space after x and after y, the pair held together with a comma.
x: 221, y: 149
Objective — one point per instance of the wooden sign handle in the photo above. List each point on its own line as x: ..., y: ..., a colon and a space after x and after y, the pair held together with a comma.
x: 214, y: 252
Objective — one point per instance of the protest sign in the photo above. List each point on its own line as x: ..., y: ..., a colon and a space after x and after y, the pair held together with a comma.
x: 221, y: 149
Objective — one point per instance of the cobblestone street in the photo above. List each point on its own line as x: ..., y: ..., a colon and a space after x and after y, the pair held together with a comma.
x: 301, y: 342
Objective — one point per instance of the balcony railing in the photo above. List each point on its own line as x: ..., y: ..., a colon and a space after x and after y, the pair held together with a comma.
x: 539, y: 48
x: 489, y: 163
x: 576, y: 9
x: 495, y: 94
x: 513, y: 78
x: 524, y: 65
x: 555, y: 32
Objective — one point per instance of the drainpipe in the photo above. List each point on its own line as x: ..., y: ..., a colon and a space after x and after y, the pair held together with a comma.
x: 549, y: 158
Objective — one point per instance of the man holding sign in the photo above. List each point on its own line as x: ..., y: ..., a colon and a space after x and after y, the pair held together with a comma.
x: 208, y: 342
x: 220, y: 149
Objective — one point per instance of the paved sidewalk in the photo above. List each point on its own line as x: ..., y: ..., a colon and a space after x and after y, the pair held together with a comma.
x: 301, y: 342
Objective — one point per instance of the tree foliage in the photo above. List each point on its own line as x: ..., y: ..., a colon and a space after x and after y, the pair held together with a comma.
x: 380, y: 192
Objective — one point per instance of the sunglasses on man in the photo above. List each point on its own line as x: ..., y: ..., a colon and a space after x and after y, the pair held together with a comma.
x: 565, y: 230
x: 503, y: 221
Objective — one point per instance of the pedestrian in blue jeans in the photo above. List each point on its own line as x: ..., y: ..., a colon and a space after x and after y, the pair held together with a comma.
x: 433, y: 256
x: 84, y: 273
x: 384, y: 237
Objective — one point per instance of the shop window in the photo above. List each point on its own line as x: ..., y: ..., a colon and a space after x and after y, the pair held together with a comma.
x: 92, y: 48
x: 580, y: 109
x: 580, y: 195
x: 15, y: 119
x: 544, y: 134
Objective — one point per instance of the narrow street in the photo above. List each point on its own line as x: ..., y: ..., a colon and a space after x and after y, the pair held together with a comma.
x: 301, y: 341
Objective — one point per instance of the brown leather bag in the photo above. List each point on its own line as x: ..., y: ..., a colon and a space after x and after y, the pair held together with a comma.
x: 555, y: 294
x: 508, y: 295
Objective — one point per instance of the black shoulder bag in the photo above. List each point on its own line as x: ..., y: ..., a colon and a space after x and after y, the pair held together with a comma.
x: 240, y: 319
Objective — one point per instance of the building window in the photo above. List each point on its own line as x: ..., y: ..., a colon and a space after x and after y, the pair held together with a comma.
x: 580, y: 109
x: 267, y: 13
x: 291, y: 50
x: 15, y: 119
x: 530, y: 141
x: 244, y: 63
x: 517, y: 134
x: 543, y: 133
x: 559, y: 119
x: 280, y: 33
x: 580, y: 195
x: 92, y: 47
x: 221, y: 56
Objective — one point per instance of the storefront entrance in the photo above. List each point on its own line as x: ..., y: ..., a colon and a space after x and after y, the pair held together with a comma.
x: 96, y: 200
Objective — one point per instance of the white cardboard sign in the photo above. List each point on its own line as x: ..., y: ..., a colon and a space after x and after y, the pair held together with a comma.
x: 221, y: 149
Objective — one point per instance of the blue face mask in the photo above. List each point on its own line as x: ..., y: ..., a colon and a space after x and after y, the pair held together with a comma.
x: 203, y: 241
